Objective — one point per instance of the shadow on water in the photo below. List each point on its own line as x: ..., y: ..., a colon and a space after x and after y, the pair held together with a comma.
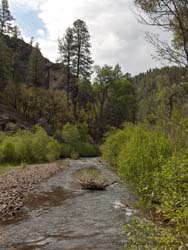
x: 50, y: 199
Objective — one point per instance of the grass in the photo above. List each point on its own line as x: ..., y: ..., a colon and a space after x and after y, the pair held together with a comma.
x: 91, y: 179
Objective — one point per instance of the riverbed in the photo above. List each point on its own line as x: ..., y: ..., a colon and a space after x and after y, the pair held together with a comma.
x: 59, y: 215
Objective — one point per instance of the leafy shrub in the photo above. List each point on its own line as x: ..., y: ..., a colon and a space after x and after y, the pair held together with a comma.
x: 171, y: 187
x: 8, y: 150
x: 144, y: 235
x: 84, y: 132
x: 71, y: 134
x: 114, y: 142
x: 159, y: 172
x: 66, y: 150
x: 75, y: 155
x: 137, y: 153
x: 77, y: 142
x: 88, y: 150
x: 29, y: 147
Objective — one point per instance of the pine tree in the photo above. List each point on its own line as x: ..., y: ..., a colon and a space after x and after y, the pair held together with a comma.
x: 82, y: 61
x: 5, y: 17
x: 5, y: 62
x: 66, y: 51
x: 16, y: 36
x: 35, y: 67
x: 16, y: 33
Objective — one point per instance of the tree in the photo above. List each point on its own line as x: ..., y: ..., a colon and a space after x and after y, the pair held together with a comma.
x: 35, y: 67
x: 5, y: 17
x: 66, y: 51
x: 74, y: 50
x: 121, y: 103
x: 16, y: 33
x: 172, y: 16
x: 103, y: 81
x: 117, y: 71
x: 5, y: 62
x: 82, y: 60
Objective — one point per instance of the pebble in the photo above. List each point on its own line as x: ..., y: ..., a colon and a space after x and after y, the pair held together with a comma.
x: 16, y: 184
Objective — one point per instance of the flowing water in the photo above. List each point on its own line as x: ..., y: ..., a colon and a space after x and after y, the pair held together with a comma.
x: 61, y: 216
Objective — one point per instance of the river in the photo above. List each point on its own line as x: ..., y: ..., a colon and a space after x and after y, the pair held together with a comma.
x: 61, y: 216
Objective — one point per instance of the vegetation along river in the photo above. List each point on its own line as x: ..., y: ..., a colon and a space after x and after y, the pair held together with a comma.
x: 60, y: 215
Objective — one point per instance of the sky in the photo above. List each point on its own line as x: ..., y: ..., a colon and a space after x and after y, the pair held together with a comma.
x: 116, y: 34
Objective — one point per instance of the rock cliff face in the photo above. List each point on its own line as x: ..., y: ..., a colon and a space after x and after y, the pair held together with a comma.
x: 54, y: 78
x: 54, y: 73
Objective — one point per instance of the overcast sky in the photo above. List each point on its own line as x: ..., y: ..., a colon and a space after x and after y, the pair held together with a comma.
x: 116, y: 35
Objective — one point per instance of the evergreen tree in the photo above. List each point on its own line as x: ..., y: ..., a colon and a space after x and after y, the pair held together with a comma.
x: 16, y: 33
x: 5, y: 17
x: 66, y: 51
x: 82, y: 61
x: 35, y: 67
x: 5, y: 62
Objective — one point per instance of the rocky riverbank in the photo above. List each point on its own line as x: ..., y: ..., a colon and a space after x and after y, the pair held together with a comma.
x: 16, y: 184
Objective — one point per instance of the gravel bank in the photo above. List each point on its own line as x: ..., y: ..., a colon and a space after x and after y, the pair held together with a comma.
x: 16, y: 184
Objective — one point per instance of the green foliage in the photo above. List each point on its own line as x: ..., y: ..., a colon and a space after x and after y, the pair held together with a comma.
x: 70, y: 134
x: 141, y: 156
x: 36, y: 104
x: 35, y: 67
x: 66, y: 150
x: 137, y: 153
x: 146, y: 235
x: 114, y: 142
x: 88, y: 150
x: 171, y: 187
x: 77, y: 141
x: 5, y: 61
x: 29, y: 147
x: 158, y: 168
x: 160, y: 91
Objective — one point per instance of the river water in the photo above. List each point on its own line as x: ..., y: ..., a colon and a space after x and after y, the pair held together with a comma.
x: 61, y: 216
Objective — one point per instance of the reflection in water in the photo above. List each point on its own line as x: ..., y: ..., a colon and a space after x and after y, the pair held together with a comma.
x: 62, y: 217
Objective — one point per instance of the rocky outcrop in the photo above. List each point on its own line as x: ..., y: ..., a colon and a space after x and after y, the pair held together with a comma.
x: 10, y: 121
x: 54, y: 73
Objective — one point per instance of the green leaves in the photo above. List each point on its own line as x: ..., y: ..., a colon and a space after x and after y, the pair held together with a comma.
x: 29, y: 147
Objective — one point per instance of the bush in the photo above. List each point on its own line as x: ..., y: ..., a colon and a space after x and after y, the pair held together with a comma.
x: 114, y: 142
x: 66, y: 150
x: 137, y: 153
x: 8, y: 152
x: 91, y: 179
x: 171, y: 187
x: 71, y: 134
x: 88, y: 150
x: 75, y: 155
x: 159, y: 172
x: 29, y: 147
x: 77, y: 142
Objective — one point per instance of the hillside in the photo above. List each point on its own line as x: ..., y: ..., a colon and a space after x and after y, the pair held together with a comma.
x: 19, y: 54
x: 153, y: 83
